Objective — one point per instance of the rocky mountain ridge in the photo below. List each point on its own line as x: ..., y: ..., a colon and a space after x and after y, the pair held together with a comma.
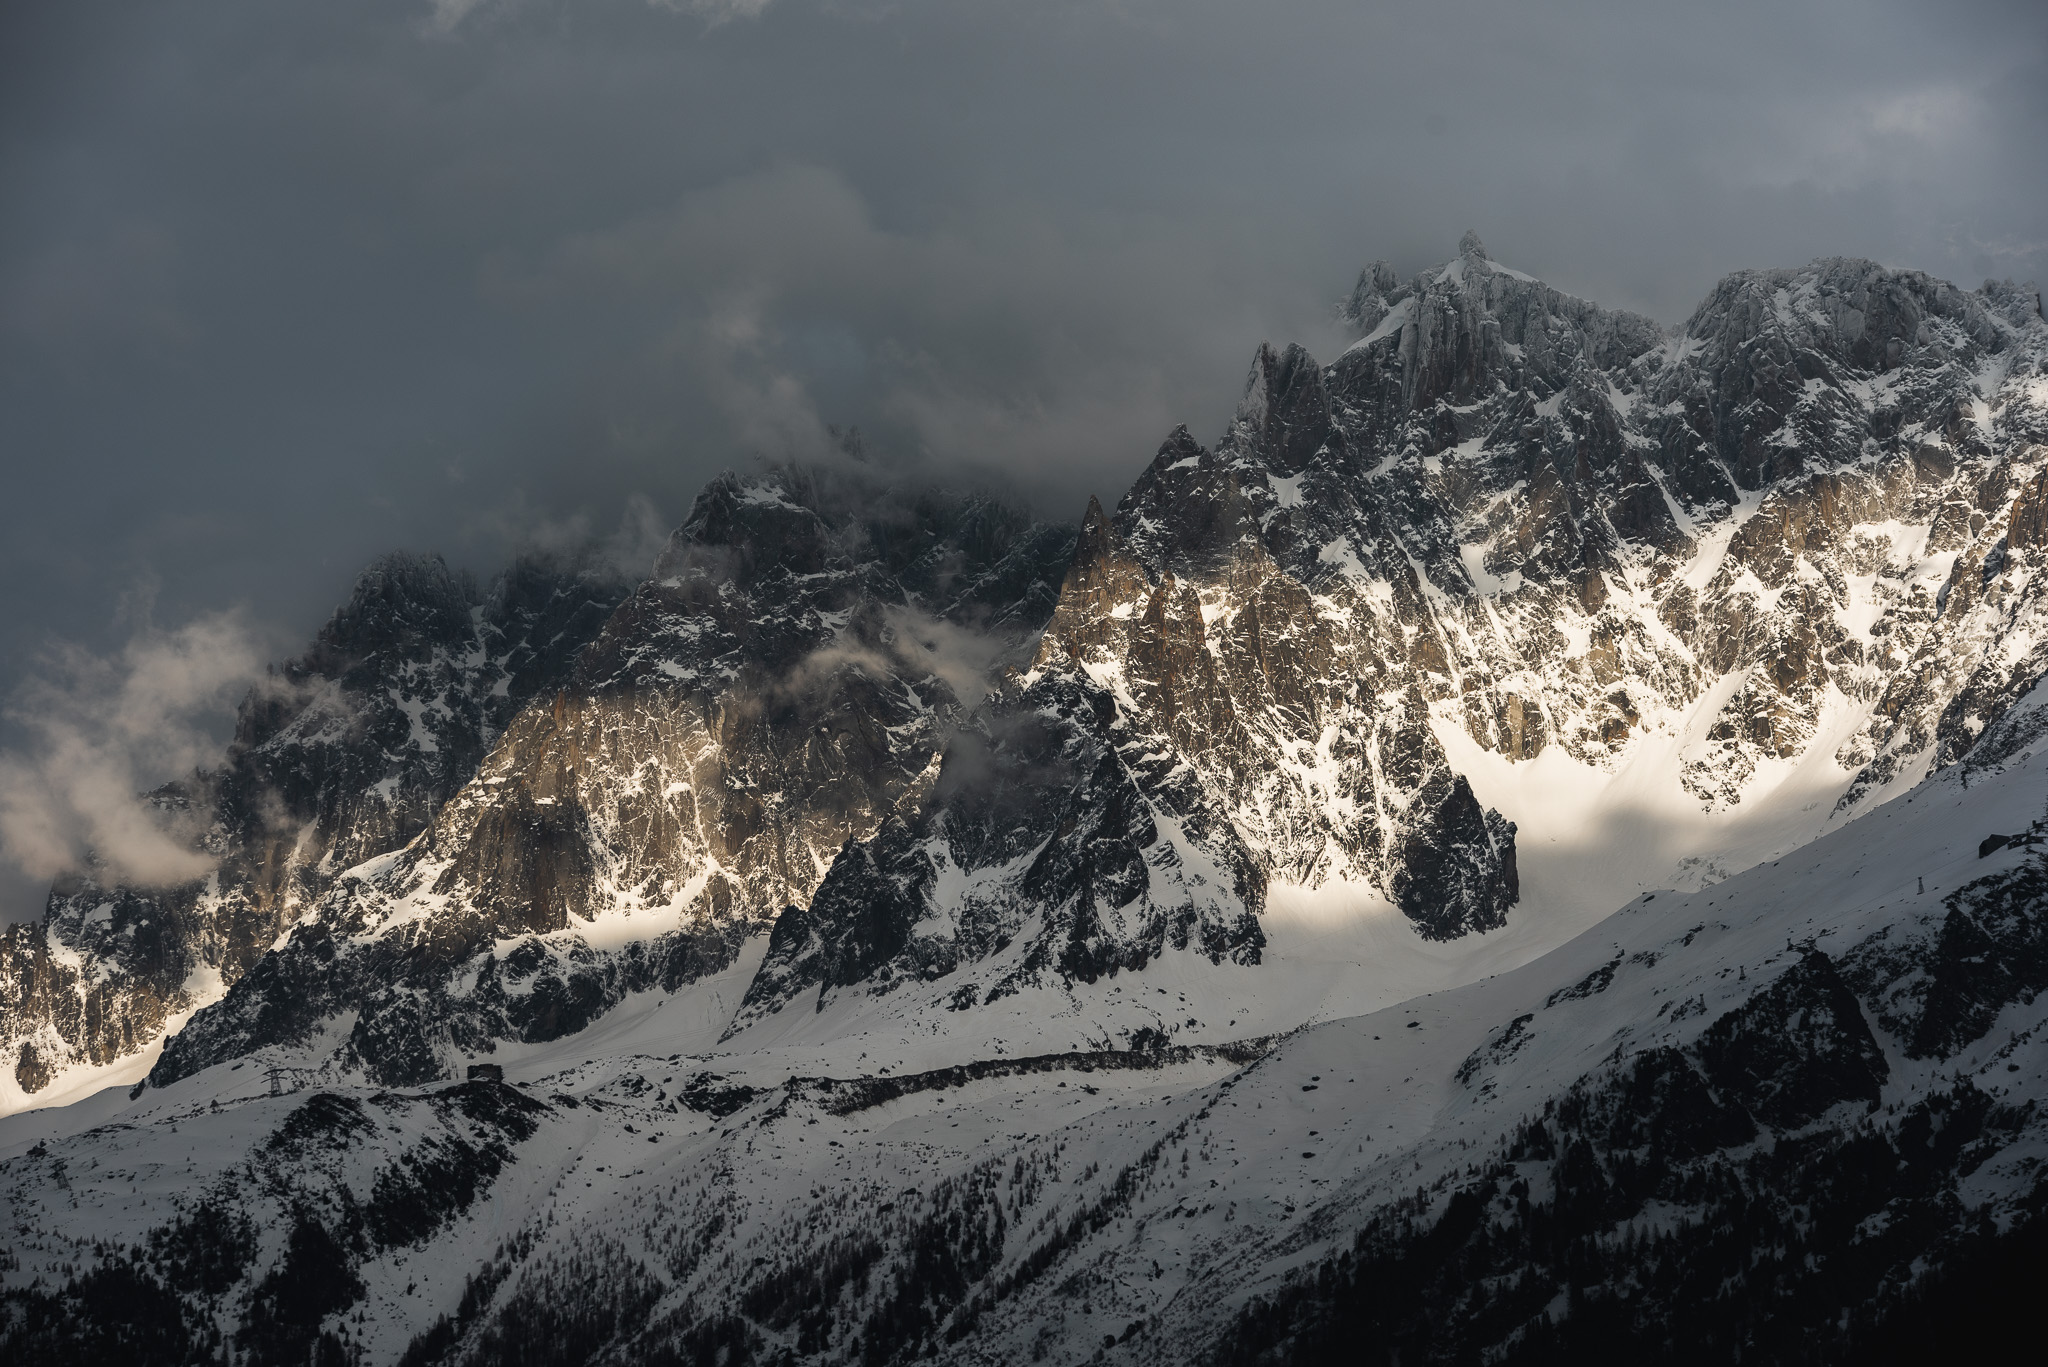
x: 1504, y: 519
x: 782, y: 683
x: 1517, y: 517
x: 912, y: 931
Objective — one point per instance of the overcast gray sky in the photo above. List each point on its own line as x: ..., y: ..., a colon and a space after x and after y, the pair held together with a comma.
x: 287, y: 283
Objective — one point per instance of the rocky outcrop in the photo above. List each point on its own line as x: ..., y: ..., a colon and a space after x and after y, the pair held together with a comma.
x: 1056, y: 844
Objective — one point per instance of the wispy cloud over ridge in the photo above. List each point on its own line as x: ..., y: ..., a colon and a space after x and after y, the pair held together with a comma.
x: 102, y: 729
x: 445, y: 16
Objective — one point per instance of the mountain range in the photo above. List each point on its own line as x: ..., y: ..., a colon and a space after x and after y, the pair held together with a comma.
x: 1393, y: 887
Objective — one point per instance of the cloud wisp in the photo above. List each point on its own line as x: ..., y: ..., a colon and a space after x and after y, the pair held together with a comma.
x: 103, y: 730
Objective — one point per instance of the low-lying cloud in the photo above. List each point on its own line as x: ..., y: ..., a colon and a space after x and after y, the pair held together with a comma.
x: 1044, y: 352
x: 571, y: 537
x: 912, y: 645
x: 101, y: 730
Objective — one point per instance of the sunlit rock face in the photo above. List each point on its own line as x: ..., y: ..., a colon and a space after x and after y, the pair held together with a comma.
x: 339, y: 755
x: 783, y: 683
x: 1750, y: 525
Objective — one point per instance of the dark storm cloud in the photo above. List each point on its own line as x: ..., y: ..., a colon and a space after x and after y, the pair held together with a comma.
x: 284, y: 283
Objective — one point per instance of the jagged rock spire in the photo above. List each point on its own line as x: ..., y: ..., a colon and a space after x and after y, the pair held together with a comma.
x: 1470, y: 245
x: 1098, y: 535
x: 1283, y: 417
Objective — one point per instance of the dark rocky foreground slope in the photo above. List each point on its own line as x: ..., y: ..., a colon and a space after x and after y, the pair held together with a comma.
x: 1770, y: 1191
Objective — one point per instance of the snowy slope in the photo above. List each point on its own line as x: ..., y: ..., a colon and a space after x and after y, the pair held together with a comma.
x: 1352, y: 1118
x: 1079, y: 1194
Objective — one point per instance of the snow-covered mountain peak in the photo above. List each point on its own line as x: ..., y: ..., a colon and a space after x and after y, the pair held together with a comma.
x: 739, y: 528
x: 1224, y: 886
x: 1859, y: 313
x: 1512, y: 529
